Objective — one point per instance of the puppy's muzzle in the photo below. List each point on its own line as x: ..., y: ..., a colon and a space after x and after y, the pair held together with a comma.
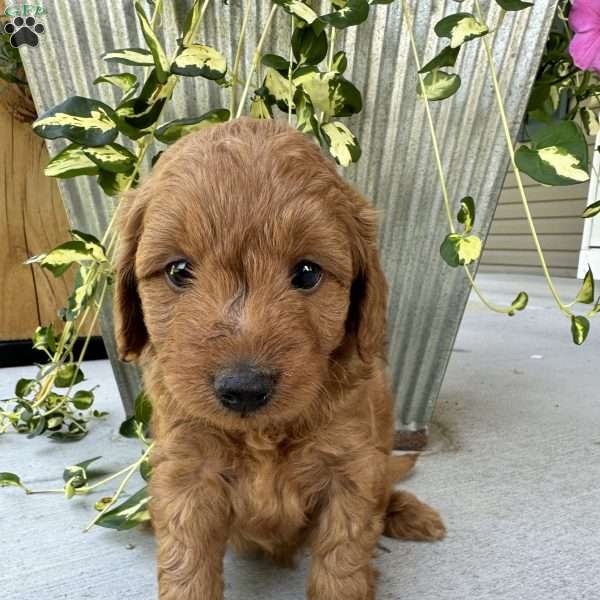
x: 244, y: 388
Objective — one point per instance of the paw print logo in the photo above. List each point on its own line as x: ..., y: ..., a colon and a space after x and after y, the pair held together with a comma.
x: 23, y: 31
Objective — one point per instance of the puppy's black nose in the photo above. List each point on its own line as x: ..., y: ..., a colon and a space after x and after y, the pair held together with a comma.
x: 244, y: 388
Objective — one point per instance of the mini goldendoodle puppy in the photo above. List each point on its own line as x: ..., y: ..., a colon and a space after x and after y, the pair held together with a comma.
x: 250, y: 290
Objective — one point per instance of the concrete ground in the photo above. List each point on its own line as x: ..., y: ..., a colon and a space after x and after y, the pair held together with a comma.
x: 514, y: 467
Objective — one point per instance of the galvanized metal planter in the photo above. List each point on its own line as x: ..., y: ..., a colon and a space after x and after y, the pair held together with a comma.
x: 427, y: 298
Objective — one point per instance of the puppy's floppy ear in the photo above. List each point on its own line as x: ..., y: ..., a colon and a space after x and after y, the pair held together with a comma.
x: 368, y: 295
x: 130, y: 329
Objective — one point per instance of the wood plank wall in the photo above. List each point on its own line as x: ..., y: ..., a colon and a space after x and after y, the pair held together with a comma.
x: 33, y: 221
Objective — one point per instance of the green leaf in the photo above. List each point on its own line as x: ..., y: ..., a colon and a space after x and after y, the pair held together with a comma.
x: 146, y: 470
x: 143, y: 408
x: 7, y: 479
x: 309, y: 45
x: 81, y: 120
x: 592, y: 210
x: 55, y: 422
x: 127, y: 515
x: 57, y: 261
x: 170, y: 132
x: 80, y: 298
x: 341, y: 142
x: 460, y: 250
x: 24, y: 387
x: 306, y: 121
x: 466, y: 213
x: 112, y: 183
x: 70, y: 162
x: 299, y: 9
x: 66, y: 374
x: 513, y: 5
x: 352, y: 13
x: 37, y: 426
x: 128, y: 428
x: 276, y: 62
x: 460, y: 28
x: 112, y: 157
x: 161, y: 62
x: 127, y: 82
x: 130, y: 56
x: 558, y: 155
x: 278, y: 87
x: 44, y: 337
x: 519, y: 303
x: 199, y: 61
x: 580, y: 327
x: 339, y: 62
x: 137, y: 114
x: 77, y: 474
x: 83, y: 399
x: 329, y: 92
x: 446, y: 58
x: 92, y: 243
x: 439, y: 85
x: 586, y: 293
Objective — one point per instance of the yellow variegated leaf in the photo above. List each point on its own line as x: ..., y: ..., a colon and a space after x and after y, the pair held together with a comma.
x: 342, y: 144
x: 112, y: 157
x: 279, y: 86
x: 298, y: 8
x: 130, y: 56
x: 70, y: 162
x: 173, y: 130
x: 82, y: 120
x: 466, y: 29
x: 161, y: 62
x: 198, y: 60
x: 565, y: 164
x: 460, y: 28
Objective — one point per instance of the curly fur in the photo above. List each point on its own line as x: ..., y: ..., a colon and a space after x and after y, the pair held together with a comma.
x: 244, y: 202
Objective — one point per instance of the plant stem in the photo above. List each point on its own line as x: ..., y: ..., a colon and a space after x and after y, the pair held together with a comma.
x: 436, y: 148
x: 520, y: 185
x: 330, y: 50
x: 255, y: 60
x: 290, y: 73
x: 238, y: 57
x: 132, y: 469
x: 438, y: 159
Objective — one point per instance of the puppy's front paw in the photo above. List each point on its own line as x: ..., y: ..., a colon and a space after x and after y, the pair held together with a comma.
x: 408, y: 518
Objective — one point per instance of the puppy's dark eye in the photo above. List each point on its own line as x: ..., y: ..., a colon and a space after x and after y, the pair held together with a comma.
x: 306, y: 275
x: 179, y: 273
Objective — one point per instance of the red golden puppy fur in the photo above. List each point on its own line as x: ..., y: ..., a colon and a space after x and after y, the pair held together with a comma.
x: 250, y: 290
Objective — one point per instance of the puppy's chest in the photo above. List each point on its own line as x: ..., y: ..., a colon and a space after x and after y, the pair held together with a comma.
x: 274, y: 491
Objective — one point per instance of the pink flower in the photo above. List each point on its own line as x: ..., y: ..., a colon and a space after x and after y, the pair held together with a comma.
x: 584, y: 20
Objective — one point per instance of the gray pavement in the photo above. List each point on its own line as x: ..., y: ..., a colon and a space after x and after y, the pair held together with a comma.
x: 514, y: 467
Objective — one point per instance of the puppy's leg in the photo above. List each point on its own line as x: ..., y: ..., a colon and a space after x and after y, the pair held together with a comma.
x: 408, y: 518
x: 349, y: 526
x: 190, y: 512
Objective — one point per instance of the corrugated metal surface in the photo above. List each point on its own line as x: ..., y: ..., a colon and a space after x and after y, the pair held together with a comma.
x: 397, y: 170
